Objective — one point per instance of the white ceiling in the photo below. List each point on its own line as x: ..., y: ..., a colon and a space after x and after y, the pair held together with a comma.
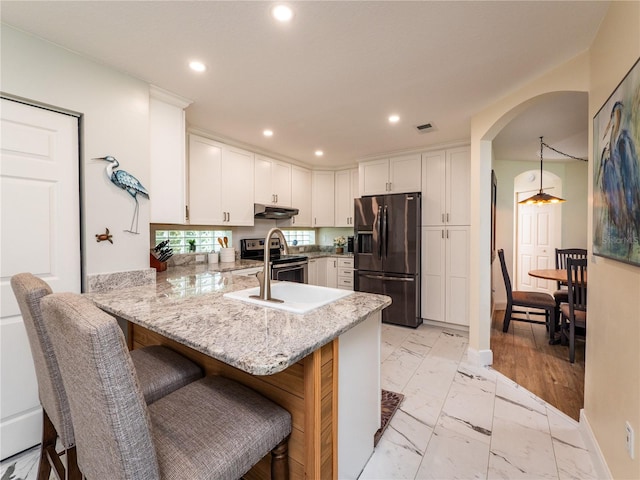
x: 330, y: 78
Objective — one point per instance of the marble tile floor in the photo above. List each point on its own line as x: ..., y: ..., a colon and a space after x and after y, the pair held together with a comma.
x: 457, y: 421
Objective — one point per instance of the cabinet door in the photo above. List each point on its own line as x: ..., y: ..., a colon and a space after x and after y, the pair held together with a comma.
x: 373, y: 177
x: 433, y: 273
x: 433, y: 188
x: 344, y: 200
x: 312, y: 272
x: 323, y: 199
x: 301, y: 196
x: 321, y: 278
x: 457, y: 269
x: 332, y: 272
x: 405, y: 174
x: 168, y: 176
x: 237, y: 186
x: 263, y: 193
x: 205, y: 172
x: 458, y: 186
x: 281, y: 183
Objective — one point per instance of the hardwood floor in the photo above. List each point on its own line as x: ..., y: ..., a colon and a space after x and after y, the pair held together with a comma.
x: 524, y: 355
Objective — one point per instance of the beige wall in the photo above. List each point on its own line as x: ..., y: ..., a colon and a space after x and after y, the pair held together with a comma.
x: 612, y: 383
x: 115, y: 121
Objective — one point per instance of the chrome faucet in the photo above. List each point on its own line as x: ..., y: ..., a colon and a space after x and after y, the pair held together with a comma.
x: 264, y: 277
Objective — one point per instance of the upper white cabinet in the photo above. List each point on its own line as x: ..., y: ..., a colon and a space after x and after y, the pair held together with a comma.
x: 168, y: 177
x: 445, y: 187
x: 323, y: 198
x: 346, y: 190
x: 301, y: 196
x: 400, y: 174
x: 220, y: 183
x: 272, y: 182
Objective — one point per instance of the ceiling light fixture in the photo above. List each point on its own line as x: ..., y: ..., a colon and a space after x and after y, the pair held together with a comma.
x: 319, y: 153
x: 394, y: 119
x: 282, y: 13
x: 268, y: 133
x: 197, y: 66
x: 542, y: 198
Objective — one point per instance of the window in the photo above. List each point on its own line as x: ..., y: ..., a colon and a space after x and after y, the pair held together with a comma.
x: 205, y: 240
x: 300, y: 237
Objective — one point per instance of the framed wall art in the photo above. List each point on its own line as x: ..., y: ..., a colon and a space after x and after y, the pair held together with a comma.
x: 616, y: 172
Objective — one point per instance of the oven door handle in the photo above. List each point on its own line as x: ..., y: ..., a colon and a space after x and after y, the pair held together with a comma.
x: 280, y: 266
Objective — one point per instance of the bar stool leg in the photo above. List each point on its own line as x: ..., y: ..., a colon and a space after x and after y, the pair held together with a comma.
x: 280, y: 461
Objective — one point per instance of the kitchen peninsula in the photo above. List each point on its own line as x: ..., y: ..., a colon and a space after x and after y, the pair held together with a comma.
x: 322, y: 366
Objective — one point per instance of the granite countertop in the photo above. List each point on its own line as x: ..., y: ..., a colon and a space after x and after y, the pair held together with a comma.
x: 187, y: 305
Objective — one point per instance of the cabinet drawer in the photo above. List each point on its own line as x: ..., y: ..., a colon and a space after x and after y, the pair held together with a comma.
x: 345, y: 282
x: 345, y: 262
x: 345, y: 272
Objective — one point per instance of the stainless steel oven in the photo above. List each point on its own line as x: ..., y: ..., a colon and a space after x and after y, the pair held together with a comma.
x: 288, y: 268
x: 290, y: 271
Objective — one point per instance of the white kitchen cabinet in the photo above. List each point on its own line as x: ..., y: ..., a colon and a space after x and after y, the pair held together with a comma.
x: 272, y: 182
x: 400, y: 174
x: 323, y: 198
x: 346, y: 189
x: 167, y: 156
x: 446, y: 187
x: 445, y: 274
x: 345, y: 273
x: 220, y: 183
x: 332, y: 272
x: 301, y: 196
x: 312, y: 271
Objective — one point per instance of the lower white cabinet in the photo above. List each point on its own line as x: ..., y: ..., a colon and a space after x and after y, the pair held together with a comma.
x: 445, y: 274
x: 331, y: 266
x: 345, y: 273
x: 312, y: 272
x: 323, y: 272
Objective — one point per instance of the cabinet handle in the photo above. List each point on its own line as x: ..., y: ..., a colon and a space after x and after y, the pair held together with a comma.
x: 442, y: 216
x: 442, y: 233
x: 276, y: 198
x: 315, y: 221
x: 447, y: 234
x: 447, y: 218
x: 186, y: 212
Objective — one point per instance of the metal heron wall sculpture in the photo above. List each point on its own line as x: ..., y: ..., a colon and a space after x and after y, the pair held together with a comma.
x: 127, y: 182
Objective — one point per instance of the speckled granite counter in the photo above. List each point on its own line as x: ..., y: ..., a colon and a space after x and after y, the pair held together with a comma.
x: 186, y: 304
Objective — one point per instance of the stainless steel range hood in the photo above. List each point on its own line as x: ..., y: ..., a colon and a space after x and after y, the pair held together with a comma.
x: 272, y: 212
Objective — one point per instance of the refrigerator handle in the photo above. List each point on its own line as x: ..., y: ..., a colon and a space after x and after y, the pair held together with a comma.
x: 385, y: 231
x: 379, y: 220
x: 391, y: 279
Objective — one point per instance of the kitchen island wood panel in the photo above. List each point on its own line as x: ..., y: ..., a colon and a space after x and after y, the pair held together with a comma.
x: 307, y: 389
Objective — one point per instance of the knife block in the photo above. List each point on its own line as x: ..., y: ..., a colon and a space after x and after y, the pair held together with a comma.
x: 157, y: 264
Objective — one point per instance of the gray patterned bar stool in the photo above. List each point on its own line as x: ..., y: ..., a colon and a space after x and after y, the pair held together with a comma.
x: 160, y: 371
x: 213, y: 428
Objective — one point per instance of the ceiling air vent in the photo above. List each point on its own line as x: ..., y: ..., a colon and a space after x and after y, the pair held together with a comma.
x: 426, y: 127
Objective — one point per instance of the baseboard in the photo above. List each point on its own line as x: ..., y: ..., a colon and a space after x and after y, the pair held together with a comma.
x: 599, y: 463
x: 450, y: 326
x: 482, y: 358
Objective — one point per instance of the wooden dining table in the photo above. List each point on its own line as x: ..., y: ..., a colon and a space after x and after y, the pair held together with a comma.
x: 554, y: 274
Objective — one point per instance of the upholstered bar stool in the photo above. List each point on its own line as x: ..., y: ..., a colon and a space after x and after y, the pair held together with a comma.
x: 213, y: 428
x: 159, y: 370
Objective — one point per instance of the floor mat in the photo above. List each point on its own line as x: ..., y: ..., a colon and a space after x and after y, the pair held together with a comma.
x: 390, y: 403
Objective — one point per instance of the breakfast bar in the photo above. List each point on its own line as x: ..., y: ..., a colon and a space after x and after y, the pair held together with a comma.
x: 323, y: 366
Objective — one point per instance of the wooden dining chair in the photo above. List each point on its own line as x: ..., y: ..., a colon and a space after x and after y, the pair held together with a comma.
x: 213, y: 428
x: 159, y: 369
x: 574, y: 311
x: 562, y: 254
x: 535, y: 300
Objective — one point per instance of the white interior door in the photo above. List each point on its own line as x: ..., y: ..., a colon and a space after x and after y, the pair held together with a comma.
x: 40, y: 234
x: 536, y: 243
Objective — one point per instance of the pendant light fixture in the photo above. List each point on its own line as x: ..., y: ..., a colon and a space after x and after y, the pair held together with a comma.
x: 541, y: 198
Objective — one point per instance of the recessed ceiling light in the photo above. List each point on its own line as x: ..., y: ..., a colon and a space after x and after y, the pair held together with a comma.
x: 394, y: 118
x: 197, y: 66
x: 268, y: 133
x: 319, y: 153
x: 282, y: 13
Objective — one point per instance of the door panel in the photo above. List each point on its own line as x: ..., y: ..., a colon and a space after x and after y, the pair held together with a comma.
x: 39, y: 159
x: 402, y: 233
x: 367, y: 229
x: 403, y: 290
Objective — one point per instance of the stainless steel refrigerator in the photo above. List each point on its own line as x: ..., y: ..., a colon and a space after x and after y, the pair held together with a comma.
x: 387, y: 253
